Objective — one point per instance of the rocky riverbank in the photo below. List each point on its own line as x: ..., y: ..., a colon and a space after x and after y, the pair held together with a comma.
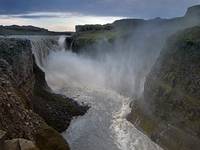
x: 28, y: 107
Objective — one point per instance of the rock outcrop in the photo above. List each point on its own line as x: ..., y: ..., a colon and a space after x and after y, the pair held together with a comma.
x: 57, y: 110
x: 24, y: 93
x: 170, y: 110
x: 88, y: 35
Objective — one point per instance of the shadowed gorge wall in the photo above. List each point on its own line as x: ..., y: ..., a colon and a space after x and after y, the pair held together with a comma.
x: 171, y: 94
x: 24, y: 93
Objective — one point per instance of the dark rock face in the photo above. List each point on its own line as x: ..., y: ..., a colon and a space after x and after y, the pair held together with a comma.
x: 17, y: 81
x: 170, y: 110
x: 17, y: 56
x: 2, y: 138
x: 16, y: 75
x: 55, y: 109
x: 69, y: 42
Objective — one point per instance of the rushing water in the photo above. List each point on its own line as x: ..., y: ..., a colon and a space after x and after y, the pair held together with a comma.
x: 104, y: 126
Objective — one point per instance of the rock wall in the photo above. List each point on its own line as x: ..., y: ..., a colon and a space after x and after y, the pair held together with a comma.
x: 170, y: 110
x: 24, y: 93
x: 16, y: 75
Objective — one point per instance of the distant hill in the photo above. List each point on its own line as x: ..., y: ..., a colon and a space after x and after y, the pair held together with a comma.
x: 87, y: 35
x: 28, y: 30
x: 191, y: 17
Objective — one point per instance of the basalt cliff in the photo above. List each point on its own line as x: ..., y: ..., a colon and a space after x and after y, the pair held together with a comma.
x: 29, y: 110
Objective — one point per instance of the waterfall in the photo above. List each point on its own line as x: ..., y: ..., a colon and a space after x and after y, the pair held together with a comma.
x: 61, y: 42
x: 42, y: 46
x: 106, y: 81
x: 105, y: 77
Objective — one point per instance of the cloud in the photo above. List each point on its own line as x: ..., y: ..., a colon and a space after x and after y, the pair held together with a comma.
x: 128, y: 8
x: 55, y: 21
x: 43, y: 15
x: 65, y: 14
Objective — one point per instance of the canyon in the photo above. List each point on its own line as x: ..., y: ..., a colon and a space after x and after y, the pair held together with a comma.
x: 132, y: 84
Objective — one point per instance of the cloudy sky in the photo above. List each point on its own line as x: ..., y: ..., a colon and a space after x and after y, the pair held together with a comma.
x: 63, y: 15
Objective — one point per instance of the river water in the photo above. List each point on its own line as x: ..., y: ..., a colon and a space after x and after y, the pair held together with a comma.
x: 104, y: 126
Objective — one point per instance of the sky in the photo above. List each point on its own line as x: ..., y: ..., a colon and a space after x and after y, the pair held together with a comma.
x: 63, y: 15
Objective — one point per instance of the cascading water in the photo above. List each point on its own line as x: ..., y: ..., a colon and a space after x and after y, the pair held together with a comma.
x: 61, y: 42
x: 104, y: 82
x: 43, y: 45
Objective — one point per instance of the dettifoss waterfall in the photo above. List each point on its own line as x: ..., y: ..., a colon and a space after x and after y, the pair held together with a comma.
x: 105, y: 79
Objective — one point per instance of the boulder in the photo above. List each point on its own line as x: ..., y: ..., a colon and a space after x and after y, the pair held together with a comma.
x: 19, y: 144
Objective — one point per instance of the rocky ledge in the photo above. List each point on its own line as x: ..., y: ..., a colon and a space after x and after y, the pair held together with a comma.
x: 169, y: 112
x: 28, y: 107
